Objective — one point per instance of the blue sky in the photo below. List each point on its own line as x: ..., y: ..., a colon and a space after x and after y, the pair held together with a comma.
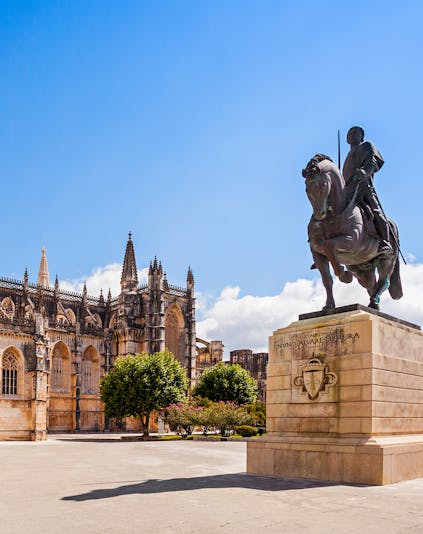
x: 189, y: 123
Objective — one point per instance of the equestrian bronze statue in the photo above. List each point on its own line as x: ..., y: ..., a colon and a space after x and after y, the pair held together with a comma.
x: 348, y: 229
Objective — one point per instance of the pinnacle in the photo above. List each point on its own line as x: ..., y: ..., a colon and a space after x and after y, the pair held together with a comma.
x: 190, y: 276
x: 43, y: 276
x: 129, y: 269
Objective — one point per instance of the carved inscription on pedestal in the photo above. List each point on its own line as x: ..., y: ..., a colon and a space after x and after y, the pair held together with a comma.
x: 329, y: 341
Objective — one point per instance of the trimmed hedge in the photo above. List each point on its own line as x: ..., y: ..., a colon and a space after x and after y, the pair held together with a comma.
x: 246, y: 431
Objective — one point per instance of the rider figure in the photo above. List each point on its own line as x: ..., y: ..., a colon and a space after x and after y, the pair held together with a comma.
x: 362, y: 162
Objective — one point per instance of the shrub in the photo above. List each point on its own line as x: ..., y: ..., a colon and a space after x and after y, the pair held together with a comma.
x: 226, y: 416
x: 246, y: 431
x: 183, y: 416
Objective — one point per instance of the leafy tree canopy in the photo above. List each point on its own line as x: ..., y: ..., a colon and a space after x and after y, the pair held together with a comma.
x: 225, y: 382
x: 141, y: 383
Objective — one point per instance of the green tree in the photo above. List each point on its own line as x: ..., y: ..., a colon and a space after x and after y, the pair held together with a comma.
x: 225, y: 382
x: 141, y: 383
x: 257, y: 411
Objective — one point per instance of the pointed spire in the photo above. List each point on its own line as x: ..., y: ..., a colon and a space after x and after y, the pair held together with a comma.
x: 109, y: 297
x: 129, y: 278
x: 101, y: 298
x: 155, y: 264
x: 150, y: 270
x: 43, y: 276
x: 190, y: 276
x: 160, y: 267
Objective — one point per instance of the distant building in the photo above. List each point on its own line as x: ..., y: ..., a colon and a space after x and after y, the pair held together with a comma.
x: 209, y: 353
x: 255, y: 364
x: 55, y: 345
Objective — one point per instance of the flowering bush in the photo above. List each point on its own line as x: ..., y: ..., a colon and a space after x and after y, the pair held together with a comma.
x: 183, y: 416
x: 222, y: 415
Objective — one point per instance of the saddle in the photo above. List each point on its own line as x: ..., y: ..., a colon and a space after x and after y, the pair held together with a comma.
x: 368, y: 224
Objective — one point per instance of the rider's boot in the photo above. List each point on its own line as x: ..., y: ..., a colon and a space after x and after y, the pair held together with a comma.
x: 382, y: 228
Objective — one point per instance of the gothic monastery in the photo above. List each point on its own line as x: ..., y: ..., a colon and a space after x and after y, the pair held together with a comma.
x: 55, y: 345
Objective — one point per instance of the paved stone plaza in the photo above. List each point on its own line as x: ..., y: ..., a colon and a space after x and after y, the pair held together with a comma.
x: 99, y: 484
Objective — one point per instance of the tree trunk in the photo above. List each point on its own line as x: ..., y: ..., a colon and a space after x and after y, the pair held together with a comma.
x: 145, y: 423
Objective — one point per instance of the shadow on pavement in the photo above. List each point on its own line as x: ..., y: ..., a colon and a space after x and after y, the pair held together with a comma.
x: 91, y: 440
x: 237, y: 480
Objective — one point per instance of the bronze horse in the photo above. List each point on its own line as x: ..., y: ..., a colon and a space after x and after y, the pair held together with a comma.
x: 339, y: 234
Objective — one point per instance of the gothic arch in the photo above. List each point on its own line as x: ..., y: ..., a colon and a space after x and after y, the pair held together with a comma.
x: 90, y: 370
x: 175, y: 332
x: 60, y: 367
x: 12, y: 373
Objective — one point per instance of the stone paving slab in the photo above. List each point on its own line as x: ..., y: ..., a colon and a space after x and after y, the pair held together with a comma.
x: 101, y: 484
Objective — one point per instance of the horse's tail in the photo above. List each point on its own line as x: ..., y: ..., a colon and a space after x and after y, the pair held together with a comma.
x: 395, y: 288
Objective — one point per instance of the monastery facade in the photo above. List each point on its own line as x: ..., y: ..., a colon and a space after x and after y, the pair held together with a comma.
x: 55, y: 345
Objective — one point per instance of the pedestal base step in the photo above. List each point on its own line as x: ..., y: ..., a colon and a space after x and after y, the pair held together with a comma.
x: 376, y: 460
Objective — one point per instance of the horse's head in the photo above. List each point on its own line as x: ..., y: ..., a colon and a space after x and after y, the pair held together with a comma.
x: 318, y: 184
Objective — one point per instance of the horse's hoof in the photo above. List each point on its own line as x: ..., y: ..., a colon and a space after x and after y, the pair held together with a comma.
x: 374, y: 306
x: 346, y: 277
x: 328, y: 307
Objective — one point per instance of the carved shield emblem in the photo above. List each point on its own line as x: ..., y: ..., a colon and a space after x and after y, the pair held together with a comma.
x: 314, y: 378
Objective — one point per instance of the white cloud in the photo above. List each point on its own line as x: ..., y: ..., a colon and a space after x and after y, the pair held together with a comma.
x: 101, y: 278
x: 248, y: 321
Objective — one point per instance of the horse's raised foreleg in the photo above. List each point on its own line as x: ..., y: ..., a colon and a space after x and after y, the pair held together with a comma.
x: 331, y: 245
x: 322, y: 264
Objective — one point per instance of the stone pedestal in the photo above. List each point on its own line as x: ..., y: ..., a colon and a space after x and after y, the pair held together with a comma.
x: 344, y: 400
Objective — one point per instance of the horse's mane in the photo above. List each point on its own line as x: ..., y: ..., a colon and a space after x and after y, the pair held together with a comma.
x: 313, y: 166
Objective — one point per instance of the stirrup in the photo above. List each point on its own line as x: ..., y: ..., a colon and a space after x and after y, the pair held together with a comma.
x: 384, y: 247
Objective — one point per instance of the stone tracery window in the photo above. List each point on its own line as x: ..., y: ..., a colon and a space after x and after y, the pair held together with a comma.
x: 90, y: 371
x: 10, y: 373
x: 7, y: 307
x: 174, y: 333
x: 60, y: 368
